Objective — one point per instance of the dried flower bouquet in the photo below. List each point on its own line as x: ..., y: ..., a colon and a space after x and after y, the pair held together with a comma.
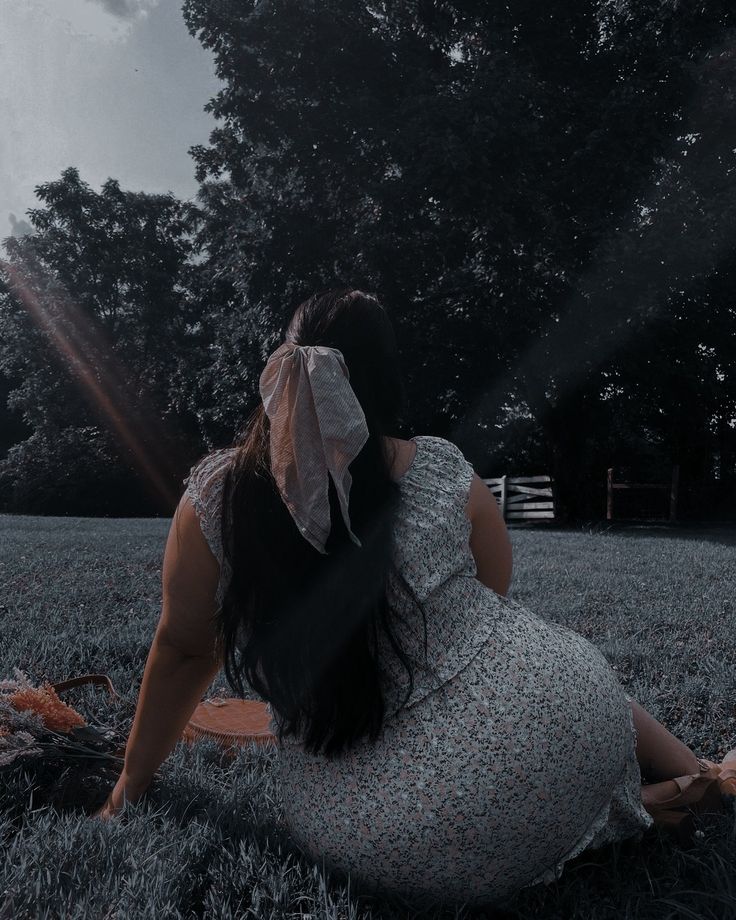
x: 35, y: 723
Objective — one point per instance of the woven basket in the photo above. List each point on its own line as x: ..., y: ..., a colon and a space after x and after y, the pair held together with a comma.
x: 231, y: 722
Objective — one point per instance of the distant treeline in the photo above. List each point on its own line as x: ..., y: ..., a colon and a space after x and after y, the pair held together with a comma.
x: 544, y: 202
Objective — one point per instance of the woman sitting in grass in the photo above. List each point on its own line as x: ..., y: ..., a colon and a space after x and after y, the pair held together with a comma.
x: 436, y: 740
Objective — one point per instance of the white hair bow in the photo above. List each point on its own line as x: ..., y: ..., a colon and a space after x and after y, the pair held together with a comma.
x: 318, y: 427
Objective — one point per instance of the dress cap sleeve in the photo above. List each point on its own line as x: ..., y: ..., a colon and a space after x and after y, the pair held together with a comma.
x: 455, y: 473
x: 204, y: 487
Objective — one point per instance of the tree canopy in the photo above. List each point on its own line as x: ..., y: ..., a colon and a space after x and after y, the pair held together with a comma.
x: 543, y: 200
x: 93, y: 324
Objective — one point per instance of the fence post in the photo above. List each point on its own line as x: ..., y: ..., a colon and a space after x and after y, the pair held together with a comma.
x: 673, y: 491
x: 503, y: 497
x: 609, y: 501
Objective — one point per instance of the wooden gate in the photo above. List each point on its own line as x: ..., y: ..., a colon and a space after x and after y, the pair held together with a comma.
x: 671, y: 487
x: 524, y: 498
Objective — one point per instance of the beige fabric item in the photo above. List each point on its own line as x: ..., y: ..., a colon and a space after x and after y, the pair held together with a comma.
x: 318, y: 428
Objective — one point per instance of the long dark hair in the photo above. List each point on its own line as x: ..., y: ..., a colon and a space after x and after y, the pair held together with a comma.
x: 302, y: 627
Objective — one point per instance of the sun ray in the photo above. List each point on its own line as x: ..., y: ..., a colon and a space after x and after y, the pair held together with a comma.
x: 104, y: 383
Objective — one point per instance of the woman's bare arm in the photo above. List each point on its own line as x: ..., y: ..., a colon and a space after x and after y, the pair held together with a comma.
x: 489, y: 538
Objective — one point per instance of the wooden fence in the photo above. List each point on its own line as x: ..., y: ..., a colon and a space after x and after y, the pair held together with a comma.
x: 672, y: 486
x: 519, y: 500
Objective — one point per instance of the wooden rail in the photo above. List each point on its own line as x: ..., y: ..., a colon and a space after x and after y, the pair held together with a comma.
x: 672, y: 486
x: 518, y: 500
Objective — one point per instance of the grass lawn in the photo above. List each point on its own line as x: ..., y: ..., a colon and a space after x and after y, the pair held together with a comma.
x: 83, y: 595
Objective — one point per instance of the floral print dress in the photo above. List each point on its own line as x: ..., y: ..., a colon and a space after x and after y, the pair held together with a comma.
x: 515, y: 751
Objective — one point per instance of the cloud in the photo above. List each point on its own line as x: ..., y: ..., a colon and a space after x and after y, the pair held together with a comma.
x: 20, y: 227
x: 125, y: 9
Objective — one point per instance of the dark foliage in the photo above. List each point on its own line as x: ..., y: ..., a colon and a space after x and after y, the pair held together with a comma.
x: 544, y: 201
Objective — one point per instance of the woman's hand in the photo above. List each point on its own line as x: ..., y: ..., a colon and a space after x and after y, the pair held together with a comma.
x: 125, y: 790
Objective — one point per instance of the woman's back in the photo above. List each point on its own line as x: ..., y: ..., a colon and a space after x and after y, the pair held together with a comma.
x: 431, y: 552
x: 515, y: 750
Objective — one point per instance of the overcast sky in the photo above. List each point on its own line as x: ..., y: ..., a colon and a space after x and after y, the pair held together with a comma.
x: 113, y: 87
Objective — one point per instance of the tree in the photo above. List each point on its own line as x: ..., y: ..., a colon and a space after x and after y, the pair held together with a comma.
x: 93, y: 315
x: 543, y: 201
x: 488, y: 171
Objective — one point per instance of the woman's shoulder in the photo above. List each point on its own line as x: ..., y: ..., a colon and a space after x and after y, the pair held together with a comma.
x: 446, y: 460
x: 440, y: 445
x: 206, y: 477
x: 215, y: 461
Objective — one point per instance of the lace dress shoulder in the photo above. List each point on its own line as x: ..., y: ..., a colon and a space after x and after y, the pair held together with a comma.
x: 204, y: 487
